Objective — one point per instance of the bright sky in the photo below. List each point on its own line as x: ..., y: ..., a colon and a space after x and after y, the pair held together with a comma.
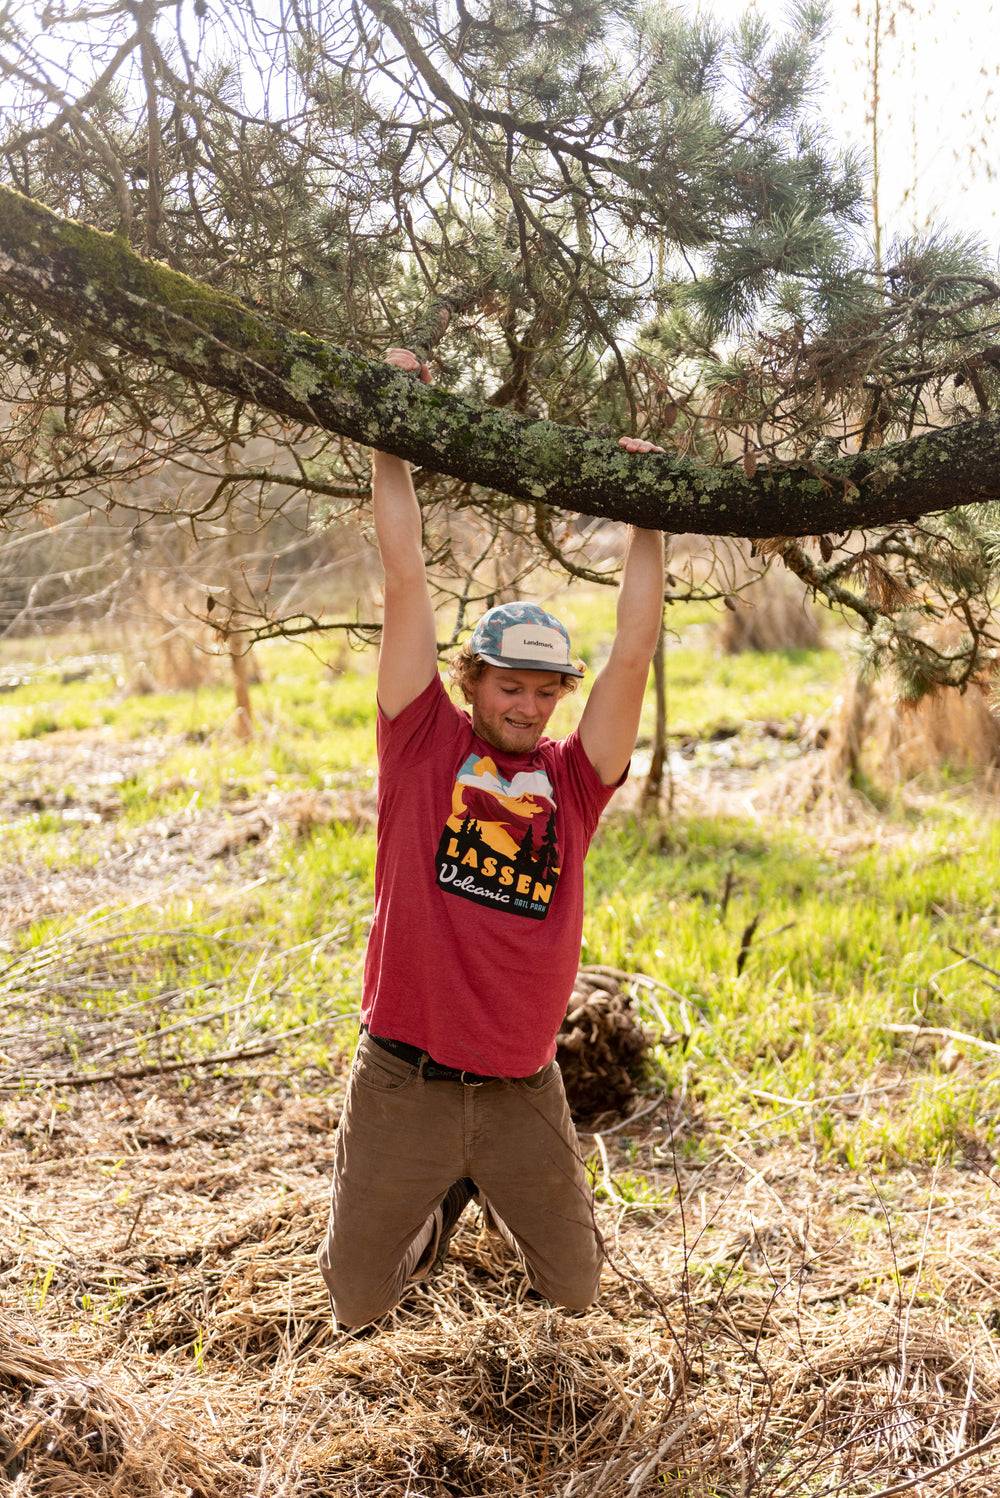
x: 939, y: 148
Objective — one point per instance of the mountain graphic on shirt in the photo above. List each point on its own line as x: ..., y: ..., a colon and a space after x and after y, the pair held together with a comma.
x: 498, y: 846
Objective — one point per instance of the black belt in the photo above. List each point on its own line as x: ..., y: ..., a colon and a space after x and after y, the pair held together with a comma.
x: 430, y: 1070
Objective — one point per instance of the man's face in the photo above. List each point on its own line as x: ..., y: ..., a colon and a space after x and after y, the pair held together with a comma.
x: 510, y: 708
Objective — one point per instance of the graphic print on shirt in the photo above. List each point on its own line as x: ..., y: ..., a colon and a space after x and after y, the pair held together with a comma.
x: 498, y: 846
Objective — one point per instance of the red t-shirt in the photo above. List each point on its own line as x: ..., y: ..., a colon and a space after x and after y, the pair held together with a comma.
x: 475, y: 943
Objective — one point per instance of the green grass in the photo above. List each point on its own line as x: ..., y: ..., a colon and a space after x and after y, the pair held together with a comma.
x: 789, y: 1042
x: 844, y: 947
x: 707, y: 691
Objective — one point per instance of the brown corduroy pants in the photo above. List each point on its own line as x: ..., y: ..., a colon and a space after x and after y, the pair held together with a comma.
x: 403, y: 1141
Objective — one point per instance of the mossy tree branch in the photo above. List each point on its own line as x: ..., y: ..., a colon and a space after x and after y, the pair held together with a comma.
x: 93, y: 282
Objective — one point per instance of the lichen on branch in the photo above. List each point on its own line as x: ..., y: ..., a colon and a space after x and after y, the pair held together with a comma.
x: 89, y: 281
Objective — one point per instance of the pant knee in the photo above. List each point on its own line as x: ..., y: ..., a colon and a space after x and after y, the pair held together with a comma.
x: 364, y: 1288
x: 357, y: 1305
x: 573, y: 1279
x: 354, y: 1299
x: 575, y: 1294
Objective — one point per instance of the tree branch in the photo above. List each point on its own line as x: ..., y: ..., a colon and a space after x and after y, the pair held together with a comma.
x: 86, y: 280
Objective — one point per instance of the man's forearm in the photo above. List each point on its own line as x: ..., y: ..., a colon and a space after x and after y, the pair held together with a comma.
x: 640, y: 593
x: 396, y: 513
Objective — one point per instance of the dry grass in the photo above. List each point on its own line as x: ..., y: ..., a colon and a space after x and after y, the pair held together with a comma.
x: 170, y: 649
x: 870, y: 741
x: 765, y: 1325
x: 768, y: 610
x: 69, y: 1429
x: 950, y: 728
x: 770, y: 1323
x: 167, y: 854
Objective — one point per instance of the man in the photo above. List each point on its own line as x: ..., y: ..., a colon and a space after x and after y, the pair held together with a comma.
x: 483, y: 826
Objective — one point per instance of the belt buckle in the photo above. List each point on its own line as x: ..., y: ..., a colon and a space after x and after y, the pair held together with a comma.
x: 471, y: 1079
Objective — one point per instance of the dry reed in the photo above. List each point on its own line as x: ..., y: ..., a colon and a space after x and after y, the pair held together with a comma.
x: 761, y: 1328
x: 767, y: 610
x: 766, y: 1325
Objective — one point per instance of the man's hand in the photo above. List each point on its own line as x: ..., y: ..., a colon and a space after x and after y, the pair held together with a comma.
x: 634, y: 444
x: 401, y: 358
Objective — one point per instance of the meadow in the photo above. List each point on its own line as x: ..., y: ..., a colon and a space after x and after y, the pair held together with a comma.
x: 801, y: 1209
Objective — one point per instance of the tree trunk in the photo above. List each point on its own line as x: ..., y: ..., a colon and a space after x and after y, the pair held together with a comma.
x: 243, y: 717
x: 654, y: 780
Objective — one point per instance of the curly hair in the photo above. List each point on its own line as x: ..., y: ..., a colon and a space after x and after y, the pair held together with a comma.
x: 466, y: 668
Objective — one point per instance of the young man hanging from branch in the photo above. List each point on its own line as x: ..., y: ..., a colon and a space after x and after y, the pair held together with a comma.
x: 483, y: 827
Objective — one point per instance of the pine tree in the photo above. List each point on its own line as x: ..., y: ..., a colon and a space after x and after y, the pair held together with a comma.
x: 591, y: 215
x: 548, y: 851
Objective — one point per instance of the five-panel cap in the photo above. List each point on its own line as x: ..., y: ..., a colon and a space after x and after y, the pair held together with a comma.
x: 523, y: 637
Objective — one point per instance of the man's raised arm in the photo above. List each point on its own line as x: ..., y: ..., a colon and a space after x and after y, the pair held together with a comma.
x: 610, y: 721
x: 407, y: 659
